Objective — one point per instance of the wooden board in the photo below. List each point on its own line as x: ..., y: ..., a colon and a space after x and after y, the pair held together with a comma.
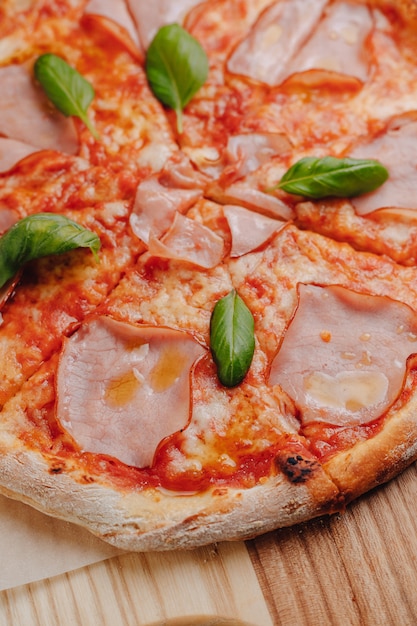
x: 354, y: 569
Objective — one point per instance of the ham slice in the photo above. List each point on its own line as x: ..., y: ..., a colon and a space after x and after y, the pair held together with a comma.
x: 12, y: 151
x: 180, y: 173
x: 122, y: 389
x: 397, y: 150
x: 115, y: 10
x: 8, y: 217
x: 338, y: 43
x: 249, y: 230
x: 290, y: 38
x: 150, y: 16
x: 27, y: 116
x: 155, y: 207
x: 188, y: 240
x: 275, y: 39
x: 244, y: 194
x: 248, y: 151
x: 343, y: 356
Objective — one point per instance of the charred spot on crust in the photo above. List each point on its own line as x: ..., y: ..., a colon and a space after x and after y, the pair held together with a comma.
x: 295, y: 467
x: 86, y: 478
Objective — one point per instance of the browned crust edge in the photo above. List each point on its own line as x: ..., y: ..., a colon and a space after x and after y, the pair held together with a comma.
x: 377, y: 460
x: 154, y: 520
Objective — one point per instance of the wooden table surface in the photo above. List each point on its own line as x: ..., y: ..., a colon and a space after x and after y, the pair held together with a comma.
x: 356, y: 568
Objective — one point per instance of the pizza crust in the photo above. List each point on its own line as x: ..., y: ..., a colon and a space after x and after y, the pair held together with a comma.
x: 157, y: 520
x: 153, y: 519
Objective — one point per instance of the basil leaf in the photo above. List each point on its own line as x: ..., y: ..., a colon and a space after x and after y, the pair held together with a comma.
x: 40, y: 235
x: 313, y: 177
x: 176, y: 67
x: 66, y: 88
x: 232, y: 339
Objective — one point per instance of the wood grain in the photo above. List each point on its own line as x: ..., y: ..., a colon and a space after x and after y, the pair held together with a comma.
x: 354, y: 569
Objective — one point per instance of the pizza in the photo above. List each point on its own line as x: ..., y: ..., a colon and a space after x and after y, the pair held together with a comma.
x: 208, y: 306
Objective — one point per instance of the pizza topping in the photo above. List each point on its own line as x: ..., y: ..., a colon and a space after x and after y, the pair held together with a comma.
x: 242, y: 193
x: 248, y: 151
x: 117, y: 11
x: 232, y: 339
x: 70, y: 92
x: 273, y: 41
x: 249, y: 229
x: 155, y: 207
x: 180, y: 173
x: 188, y: 240
x: 355, y: 374
x: 150, y: 16
x: 12, y: 151
x: 296, y: 33
x: 313, y: 177
x: 40, y: 235
x: 8, y: 217
x: 24, y: 114
x: 396, y: 149
x: 176, y: 67
x: 337, y: 44
x: 122, y: 389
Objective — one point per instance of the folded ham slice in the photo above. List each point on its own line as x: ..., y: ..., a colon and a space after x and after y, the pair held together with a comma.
x: 155, y: 207
x: 242, y: 193
x: 249, y: 229
x: 122, y: 389
x: 188, y: 240
x: 27, y: 116
x: 343, y: 357
x: 246, y: 152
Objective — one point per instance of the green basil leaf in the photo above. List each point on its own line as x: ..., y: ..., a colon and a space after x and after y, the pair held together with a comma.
x: 40, y: 235
x: 176, y: 68
x: 316, y: 178
x: 66, y: 88
x: 232, y: 339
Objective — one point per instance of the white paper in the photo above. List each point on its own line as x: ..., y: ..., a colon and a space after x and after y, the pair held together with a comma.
x: 35, y: 546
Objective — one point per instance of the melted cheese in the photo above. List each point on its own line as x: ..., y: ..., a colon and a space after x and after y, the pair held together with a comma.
x: 347, y: 391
